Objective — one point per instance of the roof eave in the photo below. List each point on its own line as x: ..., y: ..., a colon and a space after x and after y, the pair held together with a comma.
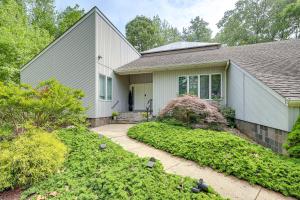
x: 158, y: 68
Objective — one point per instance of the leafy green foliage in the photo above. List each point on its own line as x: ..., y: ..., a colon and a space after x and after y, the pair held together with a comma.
x: 68, y: 17
x: 48, y: 106
x: 30, y: 158
x: 198, y: 31
x: 253, y: 21
x: 42, y: 14
x: 19, y: 42
x: 141, y: 33
x: 113, y: 173
x: 145, y: 33
x: 293, y: 141
x: 224, y: 152
x: 229, y: 115
x: 291, y: 17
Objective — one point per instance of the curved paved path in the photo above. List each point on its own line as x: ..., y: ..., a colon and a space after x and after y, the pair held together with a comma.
x: 227, y: 186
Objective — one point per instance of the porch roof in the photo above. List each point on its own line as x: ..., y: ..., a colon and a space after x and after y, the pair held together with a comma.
x: 276, y: 64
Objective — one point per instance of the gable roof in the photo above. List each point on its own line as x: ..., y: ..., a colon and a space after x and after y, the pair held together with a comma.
x: 276, y: 64
x: 180, y: 46
x: 93, y: 10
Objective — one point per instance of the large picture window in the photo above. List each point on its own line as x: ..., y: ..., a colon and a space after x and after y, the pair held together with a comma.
x: 182, y: 85
x: 216, y: 86
x: 205, y: 86
x: 105, y: 87
x: 193, y: 85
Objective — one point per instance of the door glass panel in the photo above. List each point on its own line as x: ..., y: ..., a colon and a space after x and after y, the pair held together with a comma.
x: 204, y: 86
x: 216, y: 86
x: 182, y: 85
x: 193, y: 85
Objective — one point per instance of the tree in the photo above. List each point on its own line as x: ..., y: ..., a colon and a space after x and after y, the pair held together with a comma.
x: 291, y: 15
x: 253, y: 21
x: 145, y: 33
x: 19, y: 41
x: 42, y: 14
x: 166, y: 33
x: 68, y: 17
x: 141, y: 32
x: 198, y: 31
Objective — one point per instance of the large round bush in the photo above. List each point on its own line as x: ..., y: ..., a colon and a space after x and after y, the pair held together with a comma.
x: 30, y: 158
x: 194, y: 111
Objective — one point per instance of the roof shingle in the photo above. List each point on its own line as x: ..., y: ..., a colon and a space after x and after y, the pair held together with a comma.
x: 276, y: 64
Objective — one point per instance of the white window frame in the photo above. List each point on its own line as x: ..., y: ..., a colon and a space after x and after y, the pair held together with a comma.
x: 209, y: 87
x: 106, y: 77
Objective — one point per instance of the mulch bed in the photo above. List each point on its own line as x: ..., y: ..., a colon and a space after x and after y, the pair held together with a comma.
x: 11, y: 194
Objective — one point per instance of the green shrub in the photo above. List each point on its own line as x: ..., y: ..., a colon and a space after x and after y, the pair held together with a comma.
x: 30, y: 158
x: 49, y: 106
x: 226, y: 153
x: 113, y: 173
x: 292, y: 144
x: 229, y: 115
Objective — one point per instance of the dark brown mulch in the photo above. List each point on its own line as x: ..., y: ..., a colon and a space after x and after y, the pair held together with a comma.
x: 11, y: 194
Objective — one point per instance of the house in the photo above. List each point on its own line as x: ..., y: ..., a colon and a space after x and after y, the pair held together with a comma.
x: 261, y: 81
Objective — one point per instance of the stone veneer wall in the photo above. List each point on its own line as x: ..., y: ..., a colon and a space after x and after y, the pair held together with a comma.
x: 266, y: 136
x: 94, y: 122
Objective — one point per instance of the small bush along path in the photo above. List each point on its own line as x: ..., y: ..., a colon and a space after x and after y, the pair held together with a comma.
x: 224, y: 152
x: 112, y: 173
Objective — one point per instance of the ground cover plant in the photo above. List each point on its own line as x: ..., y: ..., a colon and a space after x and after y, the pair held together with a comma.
x: 112, y: 173
x: 226, y: 153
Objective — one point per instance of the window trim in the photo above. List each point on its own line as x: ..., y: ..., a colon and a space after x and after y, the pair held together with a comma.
x: 210, y: 83
x: 106, y: 88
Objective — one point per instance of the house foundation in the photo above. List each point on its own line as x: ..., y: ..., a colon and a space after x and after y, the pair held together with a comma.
x: 266, y: 136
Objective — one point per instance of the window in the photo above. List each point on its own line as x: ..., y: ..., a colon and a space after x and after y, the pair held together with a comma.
x: 102, y: 86
x: 208, y: 86
x: 204, y: 86
x: 193, y: 85
x: 105, y: 87
x: 216, y: 86
x: 182, y: 85
x: 109, y: 88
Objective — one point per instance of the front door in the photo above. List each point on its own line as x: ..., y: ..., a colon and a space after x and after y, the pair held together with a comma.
x: 142, y: 94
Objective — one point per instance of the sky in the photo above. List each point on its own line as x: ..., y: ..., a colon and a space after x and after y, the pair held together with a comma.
x: 177, y: 12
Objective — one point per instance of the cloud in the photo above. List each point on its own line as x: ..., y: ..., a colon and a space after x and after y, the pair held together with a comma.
x: 176, y: 12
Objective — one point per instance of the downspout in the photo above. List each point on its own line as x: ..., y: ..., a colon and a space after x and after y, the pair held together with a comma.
x: 225, y: 80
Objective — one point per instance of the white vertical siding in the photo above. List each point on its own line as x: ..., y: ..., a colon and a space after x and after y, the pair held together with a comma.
x: 115, y: 52
x: 165, y: 84
x: 71, y: 60
x: 255, y: 103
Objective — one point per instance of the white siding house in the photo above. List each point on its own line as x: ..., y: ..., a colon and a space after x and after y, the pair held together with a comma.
x: 93, y: 46
x: 255, y: 80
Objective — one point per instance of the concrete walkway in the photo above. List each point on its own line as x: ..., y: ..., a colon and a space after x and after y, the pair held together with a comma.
x: 227, y: 186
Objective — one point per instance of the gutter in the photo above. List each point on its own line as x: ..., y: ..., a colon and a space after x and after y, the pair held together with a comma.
x: 293, y: 102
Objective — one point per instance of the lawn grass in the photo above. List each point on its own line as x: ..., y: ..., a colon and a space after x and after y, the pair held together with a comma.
x: 226, y: 153
x: 113, y: 173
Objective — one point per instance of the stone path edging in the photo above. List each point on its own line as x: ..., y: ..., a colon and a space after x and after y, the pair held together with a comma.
x: 227, y: 186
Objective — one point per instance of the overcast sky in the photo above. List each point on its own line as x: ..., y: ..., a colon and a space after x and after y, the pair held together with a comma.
x: 177, y: 12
